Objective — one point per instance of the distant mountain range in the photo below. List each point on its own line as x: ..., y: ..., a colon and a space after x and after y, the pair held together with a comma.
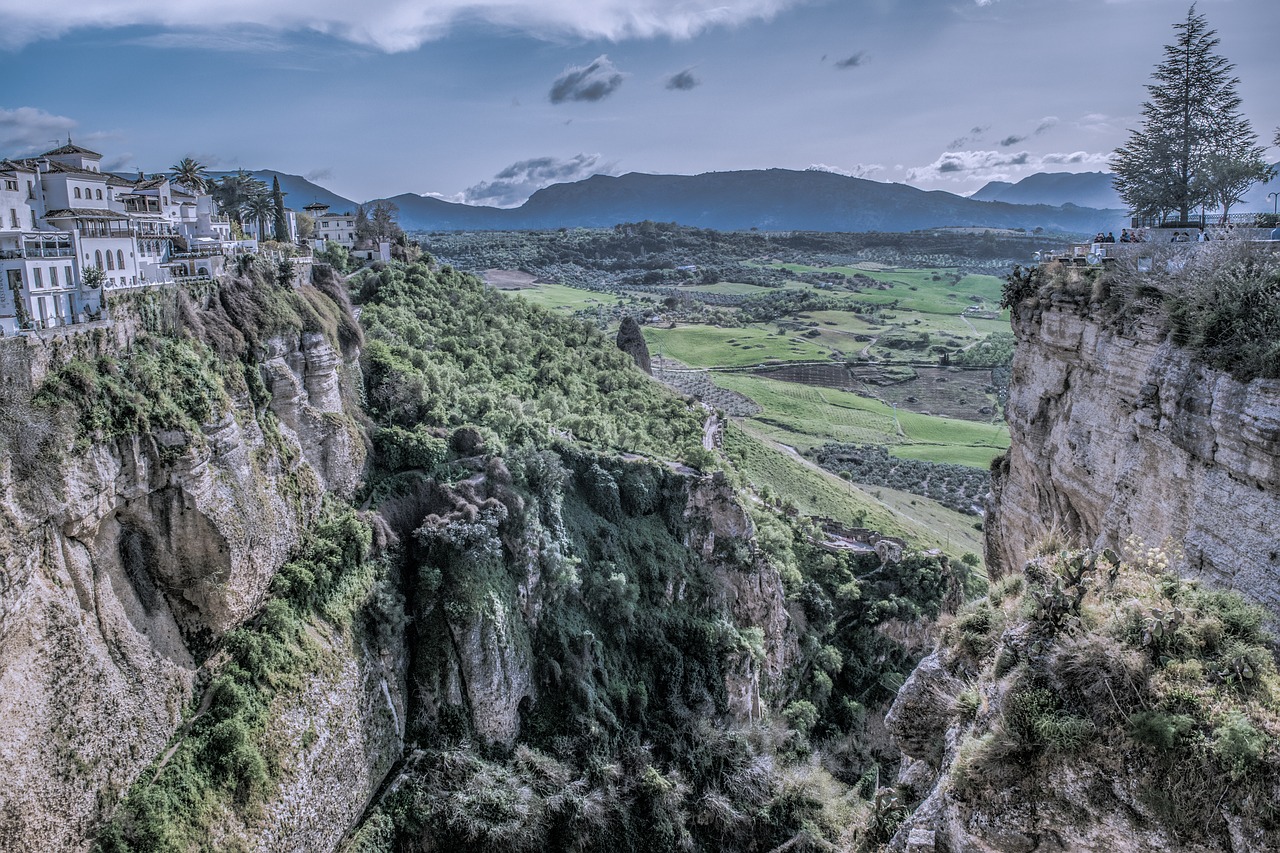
x: 773, y: 200
x: 1083, y: 189
x: 1094, y: 189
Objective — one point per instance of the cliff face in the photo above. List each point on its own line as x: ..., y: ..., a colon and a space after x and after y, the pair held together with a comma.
x: 123, y: 560
x: 1117, y: 431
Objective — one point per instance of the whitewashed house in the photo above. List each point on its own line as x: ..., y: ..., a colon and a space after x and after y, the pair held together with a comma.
x: 61, y: 215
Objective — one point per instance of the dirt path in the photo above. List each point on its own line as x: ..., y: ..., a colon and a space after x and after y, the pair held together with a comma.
x: 711, y: 432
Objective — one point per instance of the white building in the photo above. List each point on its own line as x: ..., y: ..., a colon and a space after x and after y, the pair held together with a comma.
x: 61, y: 215
x: 337, y: 228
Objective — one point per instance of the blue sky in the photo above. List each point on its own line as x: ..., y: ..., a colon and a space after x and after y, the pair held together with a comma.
x: 486, y: 100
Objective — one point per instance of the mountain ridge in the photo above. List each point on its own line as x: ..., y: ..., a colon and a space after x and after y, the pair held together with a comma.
x: 767, y: 199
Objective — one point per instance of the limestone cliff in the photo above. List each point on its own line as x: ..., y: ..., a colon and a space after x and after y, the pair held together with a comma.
x: 122, y: 559
x: 1117, y: 431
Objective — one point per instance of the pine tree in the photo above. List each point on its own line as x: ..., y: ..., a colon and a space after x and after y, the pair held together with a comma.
x: 282, y: 223
x: 1191, y: 127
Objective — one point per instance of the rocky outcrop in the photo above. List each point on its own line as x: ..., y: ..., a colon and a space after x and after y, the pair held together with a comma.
x: 1116, y: 431
x: 121, y: 562
x: 341, y: 733
x: 631, y: 341
x: 749, y: 590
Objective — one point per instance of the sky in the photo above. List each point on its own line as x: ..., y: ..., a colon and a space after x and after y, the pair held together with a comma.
x: 485, y: 101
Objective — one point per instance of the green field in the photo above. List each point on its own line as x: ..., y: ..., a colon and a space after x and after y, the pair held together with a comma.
x: 711, y: 346
x: 564, y: 297
x: 734, y: 288
x: 815, y: 492
x: 805, y: 417
x: 797, y: 417
x: 917, y: 290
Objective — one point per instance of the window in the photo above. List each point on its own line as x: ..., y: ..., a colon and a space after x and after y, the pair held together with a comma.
x: 69, y: 279
x: 11, y: 186
x: 37, y: 278
x: 120, y: 258
x: 98, y: 194
x: 13, y: 217
x: 53, y: 276
x: 97, y: 256
x: 77, y: 189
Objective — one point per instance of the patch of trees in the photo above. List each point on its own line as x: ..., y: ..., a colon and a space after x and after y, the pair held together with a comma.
x: 957, y: 487
x: 444, y: 351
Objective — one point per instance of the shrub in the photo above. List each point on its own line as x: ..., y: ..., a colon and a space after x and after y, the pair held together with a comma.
x: 1159, y: 730
x: 1238, y: 745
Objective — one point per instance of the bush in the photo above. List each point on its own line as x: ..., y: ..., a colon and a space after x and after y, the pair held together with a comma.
x: 1159, y: 730
x: 1238, y: 745
x: 399, y: 448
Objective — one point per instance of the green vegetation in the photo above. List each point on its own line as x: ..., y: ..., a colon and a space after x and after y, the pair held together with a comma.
x: 445, y: 351
x: 1220, y: 302
x: 957, y: 487
x: 1094, y: 654
x: 707, y: 346
x: 806, y: 417
x: 223, y: 759
x: 162, y: 383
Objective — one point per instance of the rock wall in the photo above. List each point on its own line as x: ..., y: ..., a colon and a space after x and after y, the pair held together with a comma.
x: 344, y: 730
x: 1117, y: 432
x: 121, y: 562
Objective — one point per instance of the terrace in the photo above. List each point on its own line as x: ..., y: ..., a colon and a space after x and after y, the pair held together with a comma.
x: 40, y: 245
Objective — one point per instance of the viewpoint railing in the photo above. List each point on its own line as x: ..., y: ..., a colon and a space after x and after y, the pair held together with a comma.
x: 1206, y: 220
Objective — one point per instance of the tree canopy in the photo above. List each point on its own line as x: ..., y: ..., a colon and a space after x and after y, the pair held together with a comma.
x: 1194, y: 147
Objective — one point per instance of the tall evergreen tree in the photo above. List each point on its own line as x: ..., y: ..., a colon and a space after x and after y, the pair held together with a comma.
x: 282, y: 222
x: 1191, y: 121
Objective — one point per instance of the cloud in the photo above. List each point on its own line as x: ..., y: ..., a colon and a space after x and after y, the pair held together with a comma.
x: 395, y: 25
x: 322, y: 174
x: 996, y: 165
x: 975, y: 133
x: 852, y: 61
x: 1046, y: 123
x: 683, y: 81
x: 517, y: 182
x: 593, y: 82
x: 27, y: 130
x: 858, y: 170
x: 229, y: 40
x: 1011, y: 140
x: 1075, y: 158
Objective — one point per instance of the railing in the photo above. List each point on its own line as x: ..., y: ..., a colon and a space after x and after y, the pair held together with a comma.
x: 37, y: 252
x: 210, y: 252
x: 1204, y: 220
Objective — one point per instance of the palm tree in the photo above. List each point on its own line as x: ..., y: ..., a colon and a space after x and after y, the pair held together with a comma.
x: 190, y: 174
x: 234, y: 192
x: 261, y: 208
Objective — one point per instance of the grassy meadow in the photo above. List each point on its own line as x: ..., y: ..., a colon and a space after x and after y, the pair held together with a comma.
x: 887, y: 331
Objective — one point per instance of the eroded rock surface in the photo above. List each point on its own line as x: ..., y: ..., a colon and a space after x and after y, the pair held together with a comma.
x: 1117, y: 431
x: 119, y: 565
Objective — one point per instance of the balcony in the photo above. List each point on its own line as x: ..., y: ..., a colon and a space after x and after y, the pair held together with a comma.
x: 38, y: 250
